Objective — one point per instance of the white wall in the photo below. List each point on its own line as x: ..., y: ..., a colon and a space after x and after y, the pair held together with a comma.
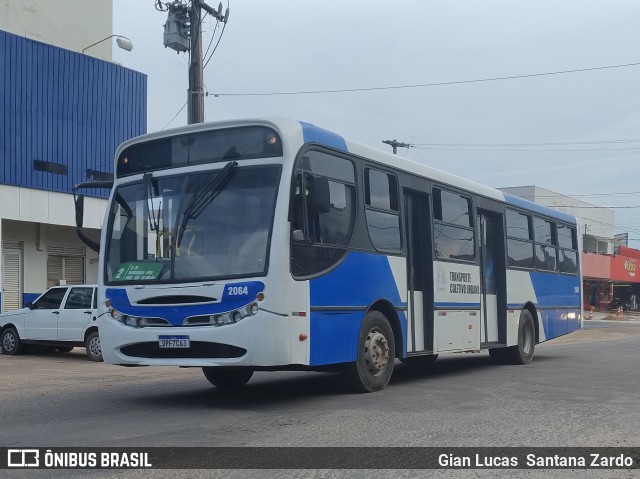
x: 38, y: 217
x: 70, y: 24
x: 34, y: 238
x: 40, y: 206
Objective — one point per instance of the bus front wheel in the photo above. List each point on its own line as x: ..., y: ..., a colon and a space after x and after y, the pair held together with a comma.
x: 521, y: 353
x: 227, y: 378
x: 376, y: 355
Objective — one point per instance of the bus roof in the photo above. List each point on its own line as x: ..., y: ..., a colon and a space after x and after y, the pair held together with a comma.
x: 309, y: 133
x: 315, y: 134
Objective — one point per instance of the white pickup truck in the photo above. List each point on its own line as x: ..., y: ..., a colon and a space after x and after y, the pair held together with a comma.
x: 63, y: 317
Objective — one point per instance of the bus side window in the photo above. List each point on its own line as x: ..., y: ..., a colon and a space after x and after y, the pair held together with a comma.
x: 311, y: 198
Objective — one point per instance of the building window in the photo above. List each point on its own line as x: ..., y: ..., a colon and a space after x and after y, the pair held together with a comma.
x: 49, y: 167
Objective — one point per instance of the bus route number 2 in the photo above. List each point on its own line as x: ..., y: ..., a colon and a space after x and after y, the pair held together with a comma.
x: 237, y: 290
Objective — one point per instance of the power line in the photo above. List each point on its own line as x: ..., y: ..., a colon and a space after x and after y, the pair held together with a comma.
x: 594, y: 207
x: 213, y: 35
x: 595, y: 142
x: 524, y: 149
x: 628, y: 228
x: 174, y: 116
x: 218, y: 42
x: 628, y: 193
x: 425, y: 85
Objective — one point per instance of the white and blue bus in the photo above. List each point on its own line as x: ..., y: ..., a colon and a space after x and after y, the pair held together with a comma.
x: 276, y: 245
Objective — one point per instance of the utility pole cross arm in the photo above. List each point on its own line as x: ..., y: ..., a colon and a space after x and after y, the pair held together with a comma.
x: 395, y: 144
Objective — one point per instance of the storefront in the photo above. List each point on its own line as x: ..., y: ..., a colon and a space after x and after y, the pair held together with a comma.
x: 611, y: 281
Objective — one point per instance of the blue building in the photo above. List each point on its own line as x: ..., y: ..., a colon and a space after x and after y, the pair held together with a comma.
x: 62, y: 115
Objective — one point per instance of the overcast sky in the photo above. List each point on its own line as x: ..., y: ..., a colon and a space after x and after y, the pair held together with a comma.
x: 294, y: 45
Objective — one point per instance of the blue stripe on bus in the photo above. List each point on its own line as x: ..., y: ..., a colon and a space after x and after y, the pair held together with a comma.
x: 556, y: 322
x: 560, y: 294
x: 456, y: 305
x: 313, y: 134
x: 553, y: 289
x: 537, y: 208
x: 334, y: 334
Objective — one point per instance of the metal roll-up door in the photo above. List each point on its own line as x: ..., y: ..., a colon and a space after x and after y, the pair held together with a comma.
x: 65, y: 263
x: 74, y: 269
x: 11, y: 275
x: 55, y: 270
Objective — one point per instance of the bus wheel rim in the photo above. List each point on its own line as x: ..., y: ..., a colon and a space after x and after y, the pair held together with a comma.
x: 376, y: 352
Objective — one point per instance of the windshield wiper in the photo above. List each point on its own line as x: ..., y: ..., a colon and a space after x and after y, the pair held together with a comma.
x: 206, y: 191
x: 154, y: 221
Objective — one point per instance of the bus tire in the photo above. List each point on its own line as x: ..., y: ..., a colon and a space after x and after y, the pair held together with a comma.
x: 425, y: 360
x: 10, y: 342
x: 376, y: 355
x: 521, y: 353
x: 227, y: 378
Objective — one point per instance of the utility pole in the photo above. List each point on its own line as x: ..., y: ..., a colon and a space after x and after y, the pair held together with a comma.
x: 183, y: 32
x: 195, y: 100
x: 395, y: 144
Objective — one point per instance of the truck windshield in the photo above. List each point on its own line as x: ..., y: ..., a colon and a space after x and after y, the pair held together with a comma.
x: 199, y: 226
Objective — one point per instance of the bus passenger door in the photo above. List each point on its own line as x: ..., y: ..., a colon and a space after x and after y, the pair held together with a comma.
x: 491, y: 264
x: 419, y: 273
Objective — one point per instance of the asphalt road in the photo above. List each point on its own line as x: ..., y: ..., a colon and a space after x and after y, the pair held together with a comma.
x: 580, y: 390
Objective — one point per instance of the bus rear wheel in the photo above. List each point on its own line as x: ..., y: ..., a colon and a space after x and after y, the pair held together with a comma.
x: 227, y: 378
x: 521, y: 353
x: 376, y: 355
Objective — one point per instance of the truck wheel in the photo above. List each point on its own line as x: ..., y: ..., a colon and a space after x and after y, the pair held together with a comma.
x: 227, y: 378
x: 10, y: 342
x: 94, y: 351
x: 376, y: 355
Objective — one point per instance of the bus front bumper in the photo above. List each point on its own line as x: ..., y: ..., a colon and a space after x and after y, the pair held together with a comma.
x: 263, y: 340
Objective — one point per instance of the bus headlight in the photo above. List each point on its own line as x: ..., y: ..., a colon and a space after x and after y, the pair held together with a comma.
x: 132, y: 321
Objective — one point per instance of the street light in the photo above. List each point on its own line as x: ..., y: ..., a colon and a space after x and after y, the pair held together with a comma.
x: 123, y: 42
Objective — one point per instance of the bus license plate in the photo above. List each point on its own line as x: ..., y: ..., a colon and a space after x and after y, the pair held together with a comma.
x: 174, y: 342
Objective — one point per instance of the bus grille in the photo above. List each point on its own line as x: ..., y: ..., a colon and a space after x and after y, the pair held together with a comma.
x: 198, y: 349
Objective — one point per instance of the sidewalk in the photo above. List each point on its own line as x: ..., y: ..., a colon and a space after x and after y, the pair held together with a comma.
x: 612, y: 316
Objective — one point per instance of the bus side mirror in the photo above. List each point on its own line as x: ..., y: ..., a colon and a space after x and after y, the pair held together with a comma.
x: 79, y: 204
x: 320, y: 195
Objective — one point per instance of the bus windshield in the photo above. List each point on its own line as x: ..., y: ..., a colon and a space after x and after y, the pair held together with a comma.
x: 197, y: 226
